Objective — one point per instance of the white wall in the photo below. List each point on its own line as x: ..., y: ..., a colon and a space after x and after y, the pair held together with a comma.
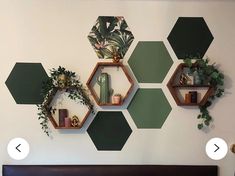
x: 55, y: 33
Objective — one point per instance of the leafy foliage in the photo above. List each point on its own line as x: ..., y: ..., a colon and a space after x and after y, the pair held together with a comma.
x: 210, y: 75
x: 109, y: 36
x: 121, y: 41
x: 70, y: 84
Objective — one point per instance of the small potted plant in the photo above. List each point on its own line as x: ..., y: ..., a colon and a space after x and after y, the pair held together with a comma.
x: 117, y: 98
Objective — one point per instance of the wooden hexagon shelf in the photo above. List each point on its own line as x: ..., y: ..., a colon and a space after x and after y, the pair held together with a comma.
x: 178, y: 90
x: 58, y: 99
x: 119, y: 81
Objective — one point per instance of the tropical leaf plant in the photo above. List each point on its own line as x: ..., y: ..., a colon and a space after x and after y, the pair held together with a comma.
x: 123, y: 26
x: 110, y: 34
x: 120, y: 40
x: 106, y: 25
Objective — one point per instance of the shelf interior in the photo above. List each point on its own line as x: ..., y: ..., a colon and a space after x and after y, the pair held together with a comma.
x: 181, y: 91
x: 118, y: 82
x: 62, y: 101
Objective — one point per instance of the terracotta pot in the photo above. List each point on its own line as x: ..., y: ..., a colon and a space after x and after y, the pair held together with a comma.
x: 117, y: 99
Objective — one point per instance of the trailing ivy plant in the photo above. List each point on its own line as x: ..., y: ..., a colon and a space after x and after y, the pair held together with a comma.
x: 61, y: 79
x: 210, y: 75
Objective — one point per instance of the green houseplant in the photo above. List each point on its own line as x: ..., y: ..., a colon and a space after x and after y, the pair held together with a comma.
x: 61, y: 79
x: 209, y: 74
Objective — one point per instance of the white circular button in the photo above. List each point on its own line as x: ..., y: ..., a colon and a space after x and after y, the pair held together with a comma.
x: 18, y: 148
x: 216, y: 148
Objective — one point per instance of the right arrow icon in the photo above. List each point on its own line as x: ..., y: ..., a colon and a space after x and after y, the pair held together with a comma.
x: 217, y: 148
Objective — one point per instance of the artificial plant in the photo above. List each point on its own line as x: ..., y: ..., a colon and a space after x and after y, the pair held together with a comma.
x: 210, y: 75
x: 61, y: 79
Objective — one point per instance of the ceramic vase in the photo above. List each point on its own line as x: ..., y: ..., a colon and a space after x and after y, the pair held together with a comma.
x: 105, y: 90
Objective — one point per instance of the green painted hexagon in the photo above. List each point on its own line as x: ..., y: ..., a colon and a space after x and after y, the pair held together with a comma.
x: 109, y: 130
x: 149, y: 108
x: 150, y: 61
x: 190, y: 37
x: 25, y: 83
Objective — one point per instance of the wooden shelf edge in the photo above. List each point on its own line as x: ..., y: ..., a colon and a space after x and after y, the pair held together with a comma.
x: 68, y: 128
x: 188, y: 104
x: 110, y: 104
x: 191, y: 86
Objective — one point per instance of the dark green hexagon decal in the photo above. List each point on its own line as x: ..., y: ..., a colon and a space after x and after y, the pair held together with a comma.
x: 110, y: 37
x: 149, y: 108
x: 190, y: 37
x: 25, y: 83
x: 109, y: 130
x: 150, y: 61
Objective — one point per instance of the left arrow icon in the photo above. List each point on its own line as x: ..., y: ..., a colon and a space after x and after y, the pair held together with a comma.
x: 17, y: 147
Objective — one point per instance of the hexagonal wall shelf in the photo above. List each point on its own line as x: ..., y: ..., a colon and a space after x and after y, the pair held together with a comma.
x: 190, y: 37
x: 149, y: 108
x: 150, y: 62
x: 179, y: 91
x: 118, y: 82
x: 59, y: 100
x: 25, y: 83
x: 110, y: 37
x: 109, y: 130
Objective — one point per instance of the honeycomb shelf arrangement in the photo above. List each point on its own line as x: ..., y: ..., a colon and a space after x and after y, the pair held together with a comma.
x: 108, y: 80
x: 110, y: 83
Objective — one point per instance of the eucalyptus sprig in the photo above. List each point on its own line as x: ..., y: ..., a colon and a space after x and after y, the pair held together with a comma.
x: 61, y: 79
x: 210, y: 75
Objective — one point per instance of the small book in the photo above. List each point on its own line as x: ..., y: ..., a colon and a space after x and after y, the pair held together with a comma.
x: 63, y: 113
